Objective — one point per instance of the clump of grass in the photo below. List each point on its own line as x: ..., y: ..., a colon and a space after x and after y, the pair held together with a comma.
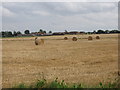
x: 22, y: 85
x: 61, y: 84
x: 77, y: 86
x: 56, y: 84
x: 109, y: 85
x: 40, y: 83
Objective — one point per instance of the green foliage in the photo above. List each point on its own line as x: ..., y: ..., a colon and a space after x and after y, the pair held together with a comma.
x: 42, y: 31
x: 27, y: 32
x: 109, y: 85
x: 16, y: 33
x: 77, y: 86
x: 40, y: 83
x: 20, y: 86
x: 100, y: 32
x: 6, y: 34
x: 56, y: 84
x: 50, y: 31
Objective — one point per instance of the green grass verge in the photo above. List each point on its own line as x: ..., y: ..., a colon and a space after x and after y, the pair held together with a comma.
x: 56, y: 84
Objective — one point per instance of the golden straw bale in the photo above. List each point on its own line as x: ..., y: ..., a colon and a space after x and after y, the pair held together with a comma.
x: 65, y: 38
x: 97, y: 37
x: 90, y: 38
x: 74, y: 39
x: 38, y: 41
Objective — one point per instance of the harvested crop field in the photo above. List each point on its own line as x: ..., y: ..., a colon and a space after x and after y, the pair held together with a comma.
x: 82, y: 61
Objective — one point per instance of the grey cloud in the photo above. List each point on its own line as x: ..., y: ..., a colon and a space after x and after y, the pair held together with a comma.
x: 60, y: 8
x: 60, y: 16
x: 0, y: 16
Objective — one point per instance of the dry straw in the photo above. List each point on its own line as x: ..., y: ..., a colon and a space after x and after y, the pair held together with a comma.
x: 97, y: 37
x: 42, y: 41
x: 90, y: 38
x: 74, y: 39
x: 39, y: 41
x: 65, y: 38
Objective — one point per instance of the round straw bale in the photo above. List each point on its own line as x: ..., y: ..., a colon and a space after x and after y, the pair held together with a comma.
x: 74, y: 39
x: 65, y: 38
x: 97, y: 37
x: 90, y: 38
x: 38, y: 41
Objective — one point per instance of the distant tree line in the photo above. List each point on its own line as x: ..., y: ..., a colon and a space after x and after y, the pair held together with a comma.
x: 105, y: 32
x: 17, y: 33
x: 9, y: 33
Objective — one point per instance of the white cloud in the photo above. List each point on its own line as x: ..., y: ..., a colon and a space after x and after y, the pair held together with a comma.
x: 71, y: 6
x: 60, y: 0
x: 60, y: 16
x: 0, y: 9
x: 0, y: 16
x: 43, y: 13
x: 7, y: 13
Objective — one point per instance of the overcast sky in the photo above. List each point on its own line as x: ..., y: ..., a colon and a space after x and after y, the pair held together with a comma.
x: 59, y: 16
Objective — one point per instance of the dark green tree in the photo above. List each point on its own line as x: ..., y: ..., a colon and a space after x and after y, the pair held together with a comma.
x: 114, y: 31
x: 3, y: 34
x: 7, y: 34
x: 100, y: 32
x: 44, y: 31
x: 19, y: 32
x: 50, y: 31
x: 27, y: 32
x: 94, y: 32
x: 10, y: 34
x: 14, y: 33
x: 41, y: 31
x: 107, y: 31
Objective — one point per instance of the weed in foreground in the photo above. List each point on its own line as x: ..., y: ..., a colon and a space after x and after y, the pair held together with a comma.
x: 56, y: 84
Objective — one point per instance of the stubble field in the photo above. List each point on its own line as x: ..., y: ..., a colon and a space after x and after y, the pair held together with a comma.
x: 81, y: 61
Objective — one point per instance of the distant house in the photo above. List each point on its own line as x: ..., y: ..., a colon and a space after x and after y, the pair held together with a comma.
x: 48, y: 34
x: 25, y: 35
x: 58, y: 33
x: 19, y: 35
x: 37, y: 34
x: 82, y: 32
x: 74, y: 32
